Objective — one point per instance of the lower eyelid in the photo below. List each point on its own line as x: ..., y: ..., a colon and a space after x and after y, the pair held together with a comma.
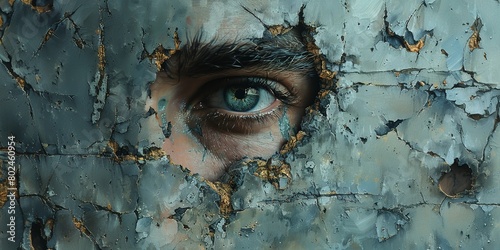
x: 230, y: 122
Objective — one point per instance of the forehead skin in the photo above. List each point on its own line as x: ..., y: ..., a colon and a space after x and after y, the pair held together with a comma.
x: 233, y: 20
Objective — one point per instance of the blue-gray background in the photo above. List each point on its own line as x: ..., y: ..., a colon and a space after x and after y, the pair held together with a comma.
x: 365, y: 176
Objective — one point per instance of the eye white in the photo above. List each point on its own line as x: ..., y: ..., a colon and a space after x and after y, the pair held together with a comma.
x: 218, y: 100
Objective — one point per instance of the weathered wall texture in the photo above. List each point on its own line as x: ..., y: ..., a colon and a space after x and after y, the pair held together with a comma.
x: 415, y: 96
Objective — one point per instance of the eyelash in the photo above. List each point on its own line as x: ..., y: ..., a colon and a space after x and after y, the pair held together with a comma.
x: 238, y: 123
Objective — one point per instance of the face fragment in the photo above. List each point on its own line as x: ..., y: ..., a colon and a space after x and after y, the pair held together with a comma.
x: 220, y: 101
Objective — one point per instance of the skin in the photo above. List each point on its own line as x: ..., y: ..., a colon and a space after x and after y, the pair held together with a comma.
x: 205, y: 136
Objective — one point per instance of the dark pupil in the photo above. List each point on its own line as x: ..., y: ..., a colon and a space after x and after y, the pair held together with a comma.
x: 240, y: 93
x: 241, y: 99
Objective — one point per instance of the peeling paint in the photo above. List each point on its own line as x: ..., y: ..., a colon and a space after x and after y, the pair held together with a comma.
x: 398, y: 150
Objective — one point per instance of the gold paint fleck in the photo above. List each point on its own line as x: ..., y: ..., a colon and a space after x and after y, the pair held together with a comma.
x: 273, y: 171
x: 21, y: 82
x: 278, y: 29
x: 224, y: 190
x: 397, y: 73
x: 153, y: 153
x: 160, y: 54
x: 327, y: 74
x: 292, y: 142
x: 475, y: 38
x: 101, y: 53
x: 474, y: 41
x: 415, y: 47
x: 177, y: 41
x: 11, y: 2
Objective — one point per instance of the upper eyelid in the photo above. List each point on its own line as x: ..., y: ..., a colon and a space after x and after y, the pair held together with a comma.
x: 284, y: 92
x: 282, y: 53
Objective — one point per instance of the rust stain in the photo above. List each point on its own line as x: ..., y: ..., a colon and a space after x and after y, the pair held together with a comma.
x: 11, y: 2
x: 225, y: 191
x: 79, y: 225
x: 1, y: 21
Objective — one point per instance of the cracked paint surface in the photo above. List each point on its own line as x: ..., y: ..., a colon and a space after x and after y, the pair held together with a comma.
x: 410, y: 90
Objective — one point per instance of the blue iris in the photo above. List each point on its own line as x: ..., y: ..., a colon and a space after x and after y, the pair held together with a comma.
x: 241, y: 98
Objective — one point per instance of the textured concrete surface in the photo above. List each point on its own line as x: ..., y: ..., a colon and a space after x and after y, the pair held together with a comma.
x: 401, y: 148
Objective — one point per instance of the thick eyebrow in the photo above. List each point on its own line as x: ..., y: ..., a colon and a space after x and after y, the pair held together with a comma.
x: 272, y: 53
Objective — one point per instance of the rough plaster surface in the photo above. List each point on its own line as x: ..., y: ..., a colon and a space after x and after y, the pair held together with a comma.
x: 413, y: 94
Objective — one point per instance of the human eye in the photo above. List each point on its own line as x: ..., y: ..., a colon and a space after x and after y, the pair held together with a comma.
x: 240, y: 104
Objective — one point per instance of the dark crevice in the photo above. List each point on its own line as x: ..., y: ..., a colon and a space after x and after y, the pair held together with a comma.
x: 388, y: 127
x: 456, y: 181
x: 38, y: 238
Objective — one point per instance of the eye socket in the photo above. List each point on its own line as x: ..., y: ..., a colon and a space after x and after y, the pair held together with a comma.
x: 239, y: 104
x: 241, y: 98
x: 242, y: 94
